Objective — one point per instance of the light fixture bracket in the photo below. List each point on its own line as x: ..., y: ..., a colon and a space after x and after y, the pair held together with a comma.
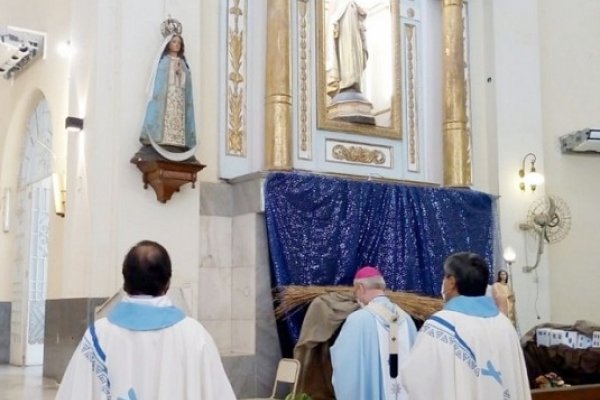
x: 74, y: 123
x: 532, y: 169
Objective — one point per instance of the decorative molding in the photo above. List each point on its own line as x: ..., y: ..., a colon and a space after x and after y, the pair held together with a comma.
x: 358, y: 153
x: 412, y: 112
x: 304, y: 82
x: 410, y: 10
x: 236, y: 82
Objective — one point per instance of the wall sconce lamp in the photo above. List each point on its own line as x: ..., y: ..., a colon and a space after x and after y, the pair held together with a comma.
x: 65, y: 49
x: 531, y: 178
x: 509, y: 255
x: 59, y: 195
x: 74, y: 124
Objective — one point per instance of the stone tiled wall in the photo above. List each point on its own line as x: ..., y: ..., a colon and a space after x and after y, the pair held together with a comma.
x: 66, y: 322
x: 235, y: 303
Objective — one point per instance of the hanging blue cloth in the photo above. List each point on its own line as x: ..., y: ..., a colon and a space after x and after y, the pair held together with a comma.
x: 322, y: 229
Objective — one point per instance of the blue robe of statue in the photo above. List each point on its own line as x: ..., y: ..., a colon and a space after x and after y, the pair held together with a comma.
x: 170, y: 111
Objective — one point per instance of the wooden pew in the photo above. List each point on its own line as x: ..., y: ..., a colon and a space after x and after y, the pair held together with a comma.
x: 581, y: 392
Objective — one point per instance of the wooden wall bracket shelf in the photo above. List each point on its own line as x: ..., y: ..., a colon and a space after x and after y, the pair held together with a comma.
x: 165, y: 176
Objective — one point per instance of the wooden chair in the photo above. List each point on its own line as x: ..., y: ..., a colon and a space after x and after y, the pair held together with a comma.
x: 286, y: 379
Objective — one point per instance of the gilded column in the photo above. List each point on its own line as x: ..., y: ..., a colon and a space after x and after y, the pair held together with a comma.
x: 457, y: 159
x: 278, y: 96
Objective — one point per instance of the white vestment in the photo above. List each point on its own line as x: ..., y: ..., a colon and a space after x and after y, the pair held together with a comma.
x: 468, y: 351
x: 146, y: 349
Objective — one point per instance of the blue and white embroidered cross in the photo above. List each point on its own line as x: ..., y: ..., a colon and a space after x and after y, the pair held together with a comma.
x: 130, y: 395
x: 489, y: 370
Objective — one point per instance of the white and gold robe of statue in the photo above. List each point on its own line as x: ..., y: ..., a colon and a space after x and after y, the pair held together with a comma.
x: 146, y: 349
x: 468, y: 351
x: 346, y: 45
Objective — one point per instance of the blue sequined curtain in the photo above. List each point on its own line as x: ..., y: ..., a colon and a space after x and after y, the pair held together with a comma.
x: 321, y: 229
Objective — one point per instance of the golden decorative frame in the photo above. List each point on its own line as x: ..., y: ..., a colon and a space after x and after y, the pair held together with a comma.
x: 323, y: 122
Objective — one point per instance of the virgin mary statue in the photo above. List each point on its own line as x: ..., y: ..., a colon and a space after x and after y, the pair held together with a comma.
x: 169, y: 125
x: 347, y: 46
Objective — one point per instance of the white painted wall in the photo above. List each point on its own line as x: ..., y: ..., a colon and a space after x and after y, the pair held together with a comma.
x: 507, y: 124
x: 106, y: 196
x: 107, y: 208
x: 570, y: 80
x: 18, y: 98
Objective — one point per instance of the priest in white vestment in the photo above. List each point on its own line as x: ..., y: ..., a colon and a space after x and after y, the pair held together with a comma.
x: 146, y: 348
x: 469, y: 350
x: 372, y: 345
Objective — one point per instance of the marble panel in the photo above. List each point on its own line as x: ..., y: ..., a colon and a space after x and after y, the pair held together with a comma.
x: 247, y: 196
x: 262, y: 243
x: 214, y: 297
x: 244, y: 240
x: 264, y: 293
x: 241, y: 371
x: 243, y: 336
x: 243, y: 293
x: 5, y: 307
x: 220, y: 330
x: 216, y: 199
x: 25, y: 383
x: 268, y: 354
x: 215, y: 242
x: 65, y: 323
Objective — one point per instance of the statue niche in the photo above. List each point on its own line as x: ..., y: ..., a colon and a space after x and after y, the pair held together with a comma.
x: 358, y: 67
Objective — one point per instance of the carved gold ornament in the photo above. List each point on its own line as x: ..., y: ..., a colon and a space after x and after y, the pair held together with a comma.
x: 236, y: 135
x: 358, y: 154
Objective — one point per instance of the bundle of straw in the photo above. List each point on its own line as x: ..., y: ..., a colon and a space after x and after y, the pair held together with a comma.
x: 418, y: 306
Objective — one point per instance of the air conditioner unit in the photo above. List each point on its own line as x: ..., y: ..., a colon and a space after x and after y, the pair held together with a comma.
x: 18, y: 48
x: 583, y: 141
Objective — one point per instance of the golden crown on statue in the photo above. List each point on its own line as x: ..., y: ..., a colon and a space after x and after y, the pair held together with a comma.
x: 171, y: 26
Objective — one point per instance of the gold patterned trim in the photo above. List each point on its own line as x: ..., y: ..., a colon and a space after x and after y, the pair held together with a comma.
x: 236, y: 134
x: 467, y: 58
x: 305, y: 139
x: 411, y: 101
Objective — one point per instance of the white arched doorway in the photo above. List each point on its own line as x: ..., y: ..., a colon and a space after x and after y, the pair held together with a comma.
x: 31, y: 237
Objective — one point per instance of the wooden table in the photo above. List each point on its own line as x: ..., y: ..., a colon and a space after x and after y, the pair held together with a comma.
x: 581, y: 392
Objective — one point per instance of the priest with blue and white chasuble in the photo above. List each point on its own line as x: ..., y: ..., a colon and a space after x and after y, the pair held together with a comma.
x: 373, y: 343
x: 469, y: 350
x: 146, y: 349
